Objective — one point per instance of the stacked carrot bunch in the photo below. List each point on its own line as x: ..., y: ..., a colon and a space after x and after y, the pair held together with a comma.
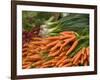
x: 54, y: 52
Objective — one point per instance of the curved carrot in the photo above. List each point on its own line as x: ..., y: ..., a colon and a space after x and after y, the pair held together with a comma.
x: 72, y: 47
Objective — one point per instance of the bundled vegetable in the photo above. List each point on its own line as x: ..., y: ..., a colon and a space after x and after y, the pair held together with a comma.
x: 65, y: 50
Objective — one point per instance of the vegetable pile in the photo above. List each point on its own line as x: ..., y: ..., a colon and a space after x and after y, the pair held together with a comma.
x: 55, y: 40
x: 56, y: 51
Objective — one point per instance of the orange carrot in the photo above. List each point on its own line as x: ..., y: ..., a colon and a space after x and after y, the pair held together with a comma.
x: 24, y: 54
x: 87, y: 51
x: 37, y: 63
x: 66, y: 42
x: 64, y: 62
x: 56, y: 46
x: 77, y: 58
x: 85, y: 56
x: 53, y: 38
x: 55, y: 53
x: 83, y: 50
x: 34, y: 57
x: 86, y: 63
x: 68, y: 65
x: 62, y: 54
x: 51, y: 44
x: 72, y: 47
x: 62, y: 59
x: 66, y: 32
x: 66, y: 37
x: 24, y: 49
x: 82, y: 59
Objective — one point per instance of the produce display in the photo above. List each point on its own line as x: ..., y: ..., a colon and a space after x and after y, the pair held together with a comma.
x: 52, y: 40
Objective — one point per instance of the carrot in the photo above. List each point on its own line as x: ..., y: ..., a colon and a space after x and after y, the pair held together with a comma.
x: 26, y: 65
x: 72, y: 47
x: 87, y: 51
x: 66, y: 42
x: 62, y: 59
x: 77, y: 58
x: 51, y: 44
x: 24, y: 54
x: 37, y: 63
x: 64, y: 62
x: 82, y: 59
x: 66, y: 36
x: 68, y: 65
x: 49, y: 62
x: 47, y: 65
x: 24, y: 49
x: 66, y: 32
x: 55, y: 53
x: 83, y: 50
x: 36, y: 38
x: 53, y: 38
x: 37, y: 42
x: 25, y: 45
x: 56, y: 46
x: 62, y: 54
x: 85, y: 56
x: 86, y: 63
x: 34, y: 57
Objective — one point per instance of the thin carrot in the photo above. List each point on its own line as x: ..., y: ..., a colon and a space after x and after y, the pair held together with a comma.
x: 24, y: 54
x: 85, y: 56
x: 82, y: 59
x: 87, y: 51
x: 66, y: 32
x: 62, y: 59
x: 62, y: 54
x: 64, y: 62
x: 55, y: 47
x: 83, y: 50
x: 72, y: 47
x: 53, y: 38
x: 24, y: 49
x: 51, y: 44
x: 66, y: 42
x: 77, y: 58
x: 34, y: 57
x: 68, y: 65
x: 66, y: 36
x: 55, y: 53
x: 86, y: 63
x: 37, y: 63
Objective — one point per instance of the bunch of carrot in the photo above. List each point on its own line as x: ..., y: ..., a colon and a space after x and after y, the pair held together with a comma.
x: 54, y: 51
